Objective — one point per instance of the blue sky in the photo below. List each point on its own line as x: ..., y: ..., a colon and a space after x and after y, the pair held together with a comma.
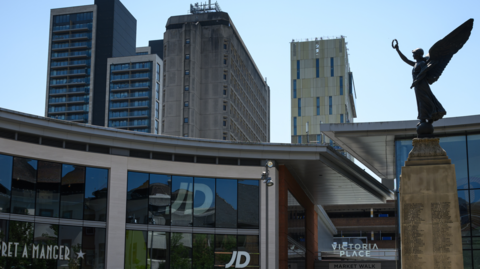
x: 382, y: 80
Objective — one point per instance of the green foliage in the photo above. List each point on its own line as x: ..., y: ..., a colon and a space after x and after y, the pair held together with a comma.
x: 179, y: 254
x: 203, y: 251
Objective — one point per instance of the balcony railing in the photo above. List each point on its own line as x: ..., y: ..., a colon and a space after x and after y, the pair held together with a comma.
x: 74, y: 26
x: 130, y: 85
x: 132, y: 76
x: 132, y: 66
x: 69, y: 81
x: 71, y: 36
x: 67, y: 63
x: 71, y: 45
x: 84, y: 99
x: 125, y: 123
x: 123, y: 95
x: 71, y: 54
x: 123, y: 114
x: 70, y: 90
x: 132, y: 104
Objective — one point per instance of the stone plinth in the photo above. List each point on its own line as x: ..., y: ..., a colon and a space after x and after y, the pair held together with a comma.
x: 430, y: 218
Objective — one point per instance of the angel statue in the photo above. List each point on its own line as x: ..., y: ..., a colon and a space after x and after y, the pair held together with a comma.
x: 427, y: 70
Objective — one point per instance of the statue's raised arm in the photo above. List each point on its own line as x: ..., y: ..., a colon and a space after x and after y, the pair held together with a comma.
x: 403, y: 57
x: 427, y: 70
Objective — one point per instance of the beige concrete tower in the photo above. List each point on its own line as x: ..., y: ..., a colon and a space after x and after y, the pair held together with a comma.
x: 322, y: 89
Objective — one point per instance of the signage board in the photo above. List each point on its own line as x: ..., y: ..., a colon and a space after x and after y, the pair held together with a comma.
x: 358, y: 265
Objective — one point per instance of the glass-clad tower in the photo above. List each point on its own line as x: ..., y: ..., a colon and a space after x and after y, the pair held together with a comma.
x: 133, y: 95
x: 70, y: 65
x: 81, y: 40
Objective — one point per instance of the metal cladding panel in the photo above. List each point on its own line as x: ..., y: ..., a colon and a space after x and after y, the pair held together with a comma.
x: 156, y: 47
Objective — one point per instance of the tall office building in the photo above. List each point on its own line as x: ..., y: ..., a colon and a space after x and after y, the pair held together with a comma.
x: 322, y: 88
x: 133, y: 94
x: 81, y: 40
x: 213, y: 88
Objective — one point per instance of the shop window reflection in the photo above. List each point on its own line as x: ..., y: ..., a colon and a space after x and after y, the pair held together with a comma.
x: 93, y: 245
x: 48, y: 189
x: 6, y: 163
x: 203, y: 251
x: 463, y: 203
x: 72, y: 191
x: 96, y: 192
x: 204, y: 202
x: 249, y: 243
x: 456, y: 148
x: 248, y: 204
x: 45, y: 235
x: 159, y: 199
x: 474, y: 160
x: 137, y: 198
x: 70, y: 236
x: 158, y: 245
x: 22, y: 233
x: 296, y: 230
x: 182, y: 201
x: 475, y: 211
x: 225, y: 244
x: 23, y: 186
x: 226, y: 203
x: 181, y: 251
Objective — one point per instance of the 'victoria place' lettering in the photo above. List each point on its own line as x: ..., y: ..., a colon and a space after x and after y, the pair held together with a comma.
x: 38, y: 251
x: 354, y: 250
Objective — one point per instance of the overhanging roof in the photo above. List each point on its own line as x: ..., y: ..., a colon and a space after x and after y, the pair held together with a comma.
x: 341, y: 181
x: 373, y: 143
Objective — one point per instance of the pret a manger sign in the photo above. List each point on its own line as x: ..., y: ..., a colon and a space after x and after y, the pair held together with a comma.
x: 37, y: 251
x: 354, y: 250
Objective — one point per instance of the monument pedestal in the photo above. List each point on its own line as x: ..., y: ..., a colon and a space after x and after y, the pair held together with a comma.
x: 430, y: 218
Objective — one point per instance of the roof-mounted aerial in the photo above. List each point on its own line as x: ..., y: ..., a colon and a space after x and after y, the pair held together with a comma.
x: 204, y: 8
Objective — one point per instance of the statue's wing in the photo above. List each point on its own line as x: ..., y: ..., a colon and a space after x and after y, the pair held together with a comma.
x: 441, y: 53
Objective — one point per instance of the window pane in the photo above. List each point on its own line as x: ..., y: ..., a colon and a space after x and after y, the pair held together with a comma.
x: 93, y: 244
x: 226, y: 203
x: 224, y: 246
x: 23, y: 186
x: 70, y: 236
x: 72, y: 192
x: 456, y: 148
x: 45, y: 235
x: 466, y: 243
x: 48, y: 189
x: 6, y: 163
x: 467, y: 259
x: 158, y: 245
x: 135, y: 249
x: 22, y: 233
x: 137, y: 198
x: 96, y: 192
x: 476, y: 259
x: 3, y: 238
x: 159, y: 199
x: 474, y: 160
x: 181, y: 251
x: 204, y: 202
x: 249, y: 243
x: 182, y: 194
x: 464, y: 205
x: 475, y: 208
x: 248, y: 204
x: 203, y: 251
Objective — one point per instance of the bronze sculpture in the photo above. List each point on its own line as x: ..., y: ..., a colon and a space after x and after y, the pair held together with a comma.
x: 427, y: 70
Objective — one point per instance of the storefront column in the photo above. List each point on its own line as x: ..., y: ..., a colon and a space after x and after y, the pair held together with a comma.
x: 115, y: 249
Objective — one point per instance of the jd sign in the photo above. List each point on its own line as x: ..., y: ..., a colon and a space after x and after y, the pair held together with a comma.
x: 238, y: 255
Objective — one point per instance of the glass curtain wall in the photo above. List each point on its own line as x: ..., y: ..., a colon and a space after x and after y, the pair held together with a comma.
x: 156, y: 199
x: 296, y: 231
x: 55, y: 190
x: 464, y: 152
x: 159, y: 250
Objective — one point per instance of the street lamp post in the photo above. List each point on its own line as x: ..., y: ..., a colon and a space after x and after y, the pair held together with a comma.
x: 268, y: 181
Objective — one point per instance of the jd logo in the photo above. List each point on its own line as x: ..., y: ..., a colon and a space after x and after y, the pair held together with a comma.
x: 239, y: 258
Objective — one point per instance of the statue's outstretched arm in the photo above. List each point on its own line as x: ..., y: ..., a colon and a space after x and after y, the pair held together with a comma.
x: 405, y: 59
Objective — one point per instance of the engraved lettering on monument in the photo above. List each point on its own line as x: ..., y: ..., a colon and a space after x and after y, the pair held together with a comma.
x: 441, y: 234
x: 411, y: 232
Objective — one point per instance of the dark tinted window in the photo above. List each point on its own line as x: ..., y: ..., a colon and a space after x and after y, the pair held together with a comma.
x: 70, y: 236
x: 182, y: 200
x: 250, y: 162
x: 23, y: 186
x: 75, y: 145
x: 96, y: 192
x: 28, y: 138
x: 456, y: 149
x: 93, y: 245
x: 7, y: 134
x: 6, y: 163
x: 137, y: 198
x: 181, y: 250
x: 224, y: 245
x: 475, y: 207
x: 248, y: 204
x: 48, y: 189
x: 204, y: 202
x: 161, y: 156
x: 474, y: 160
x: 72, y: 191
x: 228, y: 161
x: 205, y: 159
x: 140, y: 154
x: 45, y: 235
x: 98, y: 149
x: 464, y: 204
x: 52, y: 142
x: 203, y: 251
x: 184, y: 158
x: 226, y: 203
x: 159, y: 201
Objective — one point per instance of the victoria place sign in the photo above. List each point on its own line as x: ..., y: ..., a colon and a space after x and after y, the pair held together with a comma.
x: 354, y: 250
x: 38, y: 251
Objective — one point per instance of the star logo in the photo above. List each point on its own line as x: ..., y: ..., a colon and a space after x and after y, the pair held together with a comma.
x: 80, y: 255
